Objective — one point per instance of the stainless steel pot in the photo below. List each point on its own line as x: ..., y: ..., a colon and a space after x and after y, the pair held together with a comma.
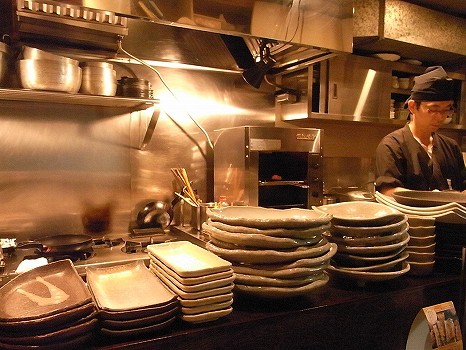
x: 32, y: 53
x: 98, y: 78
x: 49, y: 75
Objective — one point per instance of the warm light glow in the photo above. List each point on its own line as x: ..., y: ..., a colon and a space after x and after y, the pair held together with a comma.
x: 195, y: 105
x: 175, y: 65
x: 364, y: 93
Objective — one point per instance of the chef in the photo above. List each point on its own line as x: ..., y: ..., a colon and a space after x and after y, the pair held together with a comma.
x: 416, y: 157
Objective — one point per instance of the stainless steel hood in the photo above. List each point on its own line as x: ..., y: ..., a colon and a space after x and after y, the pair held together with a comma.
x: 412, y: 31
x: 209, y: 33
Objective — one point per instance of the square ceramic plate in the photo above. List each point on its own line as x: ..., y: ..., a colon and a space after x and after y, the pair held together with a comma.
x: 192, y: 295
x: 188, y: 259
x: 43, y: 291
x: 194, y: 287
x: 207, y: 316
x: 206, y: 308
x: 215, y: 299
x: 127, y: 287
x: 191, y: 280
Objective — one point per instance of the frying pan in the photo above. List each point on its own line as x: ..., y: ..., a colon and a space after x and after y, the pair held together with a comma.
x: 59, y: 243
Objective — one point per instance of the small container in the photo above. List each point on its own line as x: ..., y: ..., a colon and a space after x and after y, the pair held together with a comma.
x: 199, y: 215
x: 395, y: 83
x: 134, y: 87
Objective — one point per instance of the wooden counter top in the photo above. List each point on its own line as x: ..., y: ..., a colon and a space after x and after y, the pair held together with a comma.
x: 338, y: 316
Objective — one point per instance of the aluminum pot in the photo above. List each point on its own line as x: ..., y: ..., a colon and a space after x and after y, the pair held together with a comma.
x: 49, y: 75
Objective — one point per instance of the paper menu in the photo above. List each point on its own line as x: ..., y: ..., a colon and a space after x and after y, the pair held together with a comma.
x: 444, y: 326
x: 435, y: 327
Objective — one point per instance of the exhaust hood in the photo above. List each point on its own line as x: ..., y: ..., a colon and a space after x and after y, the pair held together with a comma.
x: 210, y: 33
x: 412, y: 31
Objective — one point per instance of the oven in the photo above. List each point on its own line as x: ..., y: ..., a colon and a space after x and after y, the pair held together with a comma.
x: 269, y: 167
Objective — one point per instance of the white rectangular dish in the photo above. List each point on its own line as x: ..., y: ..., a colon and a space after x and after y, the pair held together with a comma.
x: 193, y: 295
x: 194, y: 287
x: 187, y: 259
x: 192, y: 280
x: 215, y: 299
x: 127, y: 286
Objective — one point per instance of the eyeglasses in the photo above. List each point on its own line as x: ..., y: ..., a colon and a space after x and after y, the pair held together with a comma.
x: 445, y: 113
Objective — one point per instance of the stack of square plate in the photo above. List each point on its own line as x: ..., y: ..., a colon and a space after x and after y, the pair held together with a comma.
x: 131, y: 300
x: 202, y: 280
x: 48, y: 307
x: 275, y: 253
x: 371, y: 239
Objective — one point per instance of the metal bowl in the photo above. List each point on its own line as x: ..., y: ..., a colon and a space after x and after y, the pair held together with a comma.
x: 49, y: 75
x: 31, y: 53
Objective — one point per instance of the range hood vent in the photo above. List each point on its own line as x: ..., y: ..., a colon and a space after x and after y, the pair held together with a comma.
x: 207, y: 33
x: 60, y: 23
x: 412, y: 31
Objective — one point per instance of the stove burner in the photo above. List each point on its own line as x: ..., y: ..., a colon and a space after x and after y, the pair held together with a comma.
x: 104, y: 242
x: 73, y: 256
x: 140, y: 245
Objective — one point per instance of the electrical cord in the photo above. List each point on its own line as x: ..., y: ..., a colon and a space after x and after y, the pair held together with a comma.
x: 120, y: 47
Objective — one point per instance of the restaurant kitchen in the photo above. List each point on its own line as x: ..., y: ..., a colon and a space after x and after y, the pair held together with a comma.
x: 66, y: 158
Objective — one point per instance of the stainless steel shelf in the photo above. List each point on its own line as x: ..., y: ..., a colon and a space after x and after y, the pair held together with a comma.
x: 75, y: 99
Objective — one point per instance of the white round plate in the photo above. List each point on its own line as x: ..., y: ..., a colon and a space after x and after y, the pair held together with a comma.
x: 367, y: 241
x: 299, y: 233
x: 375, y: 250
x: 376, y: 267
x: 252, y: 280
x: 281, y: 292
x: 279, y: 272
x: 367, y: 276
x: 367, y: 231
x: 269, y: 256
x: 257, y: 240
x: 359, y: 260
x: 260, y: 217
x: 361, y: 213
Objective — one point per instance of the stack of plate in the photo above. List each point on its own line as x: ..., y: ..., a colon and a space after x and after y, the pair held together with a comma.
x: 131, y: 300
x: 371, y: 239
x: 48, y: 307
x: 448, y: 209
x: 444, y: 207
x: 202, y: 280
x: 275, y: 253
x: 421, y: 246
